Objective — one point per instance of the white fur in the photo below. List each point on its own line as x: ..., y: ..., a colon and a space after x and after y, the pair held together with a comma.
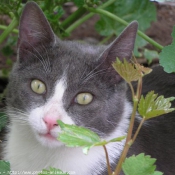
x: 27, y: 151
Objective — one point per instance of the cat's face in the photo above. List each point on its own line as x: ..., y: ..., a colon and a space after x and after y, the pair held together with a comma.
x: 55, y: 80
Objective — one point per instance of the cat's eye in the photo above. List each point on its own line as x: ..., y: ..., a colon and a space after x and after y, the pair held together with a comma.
x: 38, y: 86
x: 84, y: 98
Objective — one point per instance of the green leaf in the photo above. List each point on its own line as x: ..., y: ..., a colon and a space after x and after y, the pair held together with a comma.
x: 4, y: 167
x: 139, y: 43
x: 153, y: 106
x: 76, y: 136
x: 79, y: 3
x: 52, y: 171
x: 126, y: 70
x: 167, y: 56
x: 157, y: 173
x: 150, y: 55
x: 142, y: 11
x: 139, y: 165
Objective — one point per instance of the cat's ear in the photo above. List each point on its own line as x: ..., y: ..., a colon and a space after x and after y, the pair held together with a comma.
x: 34, y: 28
x: 123, y: 46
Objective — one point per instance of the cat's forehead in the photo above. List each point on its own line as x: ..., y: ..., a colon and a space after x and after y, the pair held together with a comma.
x: 75, y: 56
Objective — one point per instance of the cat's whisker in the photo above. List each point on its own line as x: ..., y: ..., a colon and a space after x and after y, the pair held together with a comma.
x: 17, y: 115
x: 93, y: 75
x: 111, y: 123
x: 92, y: 71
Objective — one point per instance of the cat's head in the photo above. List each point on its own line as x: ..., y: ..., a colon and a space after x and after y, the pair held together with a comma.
x: 63, y: 80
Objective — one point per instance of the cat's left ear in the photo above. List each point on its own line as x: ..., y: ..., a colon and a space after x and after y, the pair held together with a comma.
x: 123, y: 46
x: 34, y: 28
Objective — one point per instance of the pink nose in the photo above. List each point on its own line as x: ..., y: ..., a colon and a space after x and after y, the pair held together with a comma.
x: 50, y: 122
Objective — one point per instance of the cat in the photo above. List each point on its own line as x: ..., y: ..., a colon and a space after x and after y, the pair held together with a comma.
x: 76, y: 83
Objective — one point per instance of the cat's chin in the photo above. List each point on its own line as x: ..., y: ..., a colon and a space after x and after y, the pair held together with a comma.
x: 48, y: 140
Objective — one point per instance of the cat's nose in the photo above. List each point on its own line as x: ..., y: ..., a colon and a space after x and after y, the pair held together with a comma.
x: 50, y: 122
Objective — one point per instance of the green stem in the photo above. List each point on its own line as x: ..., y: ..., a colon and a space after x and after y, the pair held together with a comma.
x: 107, y: 160
x: 128, y: 142
x: 9, y: 29
x: 5, y: 27
x: 151, y: 41
x: 80, y: 21
x: 73, y: 17
x: 138, y: 130
x: 112, y: 16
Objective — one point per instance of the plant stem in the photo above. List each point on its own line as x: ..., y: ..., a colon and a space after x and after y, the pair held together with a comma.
x: 5, y: 27
x: 129, y: 141
x: 107, y: 160
x: 138, y: 130
x: 151, y: 41
x: 80, y: 21
x: 73, y: 17
x: 112, y: 16
x: 6, y: 32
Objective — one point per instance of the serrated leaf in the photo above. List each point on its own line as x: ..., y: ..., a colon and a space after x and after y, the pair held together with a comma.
x: 142, y: 69
x: 153, y: 106
x: 126, y: 70
x: 4, y: 167
x: 139, y: 165
x: 52, y: 171
x: 167, y: 56
x: 76, y: 136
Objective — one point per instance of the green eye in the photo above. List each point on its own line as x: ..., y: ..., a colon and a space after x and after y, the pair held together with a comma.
x: 84, y: 98
x: 38, y: 86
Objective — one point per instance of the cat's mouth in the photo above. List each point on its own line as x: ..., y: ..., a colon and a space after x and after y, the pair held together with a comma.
x: 48, y: 136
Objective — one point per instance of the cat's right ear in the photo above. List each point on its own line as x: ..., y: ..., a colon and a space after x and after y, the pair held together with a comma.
x: 121, y: 48
x: 34, y: 28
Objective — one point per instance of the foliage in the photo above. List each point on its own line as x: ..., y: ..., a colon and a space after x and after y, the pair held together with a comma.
x: 75, y: 136
x: 167, y: 56
x: 140, y: 164
x: 142, y: 11
x: 4, y: 167
x: 153, y: 106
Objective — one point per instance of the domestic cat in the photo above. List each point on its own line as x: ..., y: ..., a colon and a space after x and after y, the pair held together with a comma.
x: 74, y: 82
